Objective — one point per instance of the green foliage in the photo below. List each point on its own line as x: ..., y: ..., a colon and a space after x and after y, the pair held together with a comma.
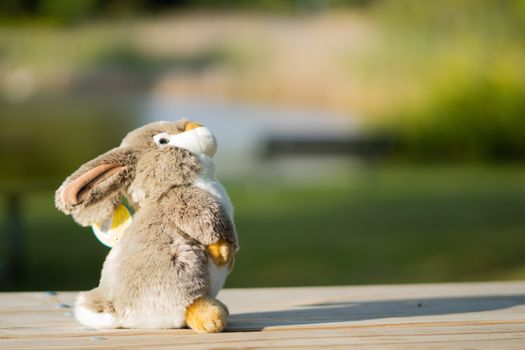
x: 482, y: 119
x: 468, y: 60
x: 48, y: 138
x: 67, y: 11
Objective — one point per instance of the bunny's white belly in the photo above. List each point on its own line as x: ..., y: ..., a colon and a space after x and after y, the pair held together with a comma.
x: 206, y: 181
x: 218, y: 276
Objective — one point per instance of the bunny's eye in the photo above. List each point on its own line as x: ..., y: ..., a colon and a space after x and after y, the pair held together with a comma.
x: 161, y: 139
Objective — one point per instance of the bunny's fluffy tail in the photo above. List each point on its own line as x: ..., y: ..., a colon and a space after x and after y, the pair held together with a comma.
x: 93, y: 311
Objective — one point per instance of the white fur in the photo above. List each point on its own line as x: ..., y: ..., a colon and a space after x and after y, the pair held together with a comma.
x: 137, y: 195
x: 91, y: 318
x: 207, y: 182
x: 218, y: 276
x: 198, y: 141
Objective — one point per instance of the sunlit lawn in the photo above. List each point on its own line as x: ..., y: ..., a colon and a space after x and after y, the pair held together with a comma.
x: 387, y: 225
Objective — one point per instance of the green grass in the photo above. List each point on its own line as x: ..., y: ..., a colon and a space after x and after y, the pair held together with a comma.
x: 386, y: 225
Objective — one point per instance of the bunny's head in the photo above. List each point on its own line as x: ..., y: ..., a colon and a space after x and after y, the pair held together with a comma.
x: 149, y: 161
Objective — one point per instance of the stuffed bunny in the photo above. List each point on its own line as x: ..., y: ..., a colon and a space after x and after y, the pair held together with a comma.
x: 175, y: 256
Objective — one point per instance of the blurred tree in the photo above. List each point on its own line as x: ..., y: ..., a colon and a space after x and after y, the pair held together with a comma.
x: 475, y: 105
x: 47, y: 139
x: 67, y: 11
x: 64, y: 11
x: 18, y: 7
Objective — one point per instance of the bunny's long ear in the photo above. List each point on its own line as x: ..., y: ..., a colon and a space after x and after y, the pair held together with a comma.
x: 92, y: 193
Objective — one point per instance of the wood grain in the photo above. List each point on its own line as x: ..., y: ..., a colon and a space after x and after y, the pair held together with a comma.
x: 431, y: 316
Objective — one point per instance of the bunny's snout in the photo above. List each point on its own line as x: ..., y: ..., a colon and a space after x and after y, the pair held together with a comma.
x: 196, y: 139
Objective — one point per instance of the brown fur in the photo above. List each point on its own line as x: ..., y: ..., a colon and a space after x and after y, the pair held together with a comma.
x: 161, y: 264
x: 99, y: 203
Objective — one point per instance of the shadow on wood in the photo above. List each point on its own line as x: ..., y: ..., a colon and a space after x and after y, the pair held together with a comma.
x: 359, y: 311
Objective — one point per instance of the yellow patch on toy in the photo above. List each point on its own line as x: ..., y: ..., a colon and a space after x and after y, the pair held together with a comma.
x: 220, y: 252
x: 206, y: 315
x: 111, y: 230
x: 191, y: 126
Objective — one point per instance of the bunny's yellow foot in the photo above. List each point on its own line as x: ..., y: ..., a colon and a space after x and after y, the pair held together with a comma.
x: 206, y: 315
x: 220, y: 252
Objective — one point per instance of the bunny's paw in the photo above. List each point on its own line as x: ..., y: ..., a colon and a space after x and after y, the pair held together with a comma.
x: 220, y: 252
x: 206, y: 315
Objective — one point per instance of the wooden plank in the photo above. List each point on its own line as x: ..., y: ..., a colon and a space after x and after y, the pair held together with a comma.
x: 434, y: 316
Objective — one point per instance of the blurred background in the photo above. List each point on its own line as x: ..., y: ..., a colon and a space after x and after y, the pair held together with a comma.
x: 361, y: 141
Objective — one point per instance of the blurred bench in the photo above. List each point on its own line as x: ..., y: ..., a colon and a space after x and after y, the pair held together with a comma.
x: 440, y: 316
x: 367, y: 148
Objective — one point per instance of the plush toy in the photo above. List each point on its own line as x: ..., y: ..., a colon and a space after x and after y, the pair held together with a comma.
x: 171, y: 258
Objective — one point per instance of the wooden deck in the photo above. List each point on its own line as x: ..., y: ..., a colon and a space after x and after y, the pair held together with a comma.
x: 435, y: 316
